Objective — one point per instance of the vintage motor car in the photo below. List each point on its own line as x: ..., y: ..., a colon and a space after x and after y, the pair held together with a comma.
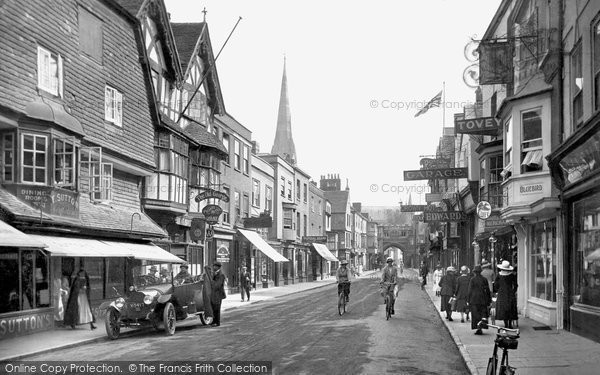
x: 157, y: 300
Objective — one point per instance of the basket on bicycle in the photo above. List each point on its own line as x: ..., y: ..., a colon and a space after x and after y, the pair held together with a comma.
x: 507, y: 342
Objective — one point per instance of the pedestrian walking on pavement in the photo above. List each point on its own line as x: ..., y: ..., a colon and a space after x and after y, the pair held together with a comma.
x: 78, y: 306
x: 424, y: 271
x: 462, y: 290
x: 488, y: 274
x: 437, y: 277
x: 448, y: 284
x: 245, y: 283
x: 506, y: 287
x: 218, y: 293
x: 479, y: 298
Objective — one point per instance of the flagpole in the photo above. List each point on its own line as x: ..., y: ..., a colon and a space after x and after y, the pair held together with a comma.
x: 444, y: 105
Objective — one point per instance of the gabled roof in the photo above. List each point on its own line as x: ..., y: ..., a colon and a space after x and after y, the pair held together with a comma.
x: 194, y: 39
x: 201, y: 136
x: 131, y: 6
x: 339, y: 200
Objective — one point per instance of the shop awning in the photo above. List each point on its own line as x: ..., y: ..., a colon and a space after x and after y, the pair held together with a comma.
x: 12, y: 237
x: 80, y: 247
x: 146, y: 251
x: 324, y: 252
x: 263, y: 246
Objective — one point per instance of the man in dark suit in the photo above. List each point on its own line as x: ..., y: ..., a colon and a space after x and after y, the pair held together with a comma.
x: 218, y: 293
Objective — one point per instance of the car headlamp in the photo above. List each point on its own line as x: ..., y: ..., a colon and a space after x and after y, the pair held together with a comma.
x: 148, y: 299
x: 120, y: 302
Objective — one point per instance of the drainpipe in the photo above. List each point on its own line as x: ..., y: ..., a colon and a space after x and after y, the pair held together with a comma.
x: 561, y: 250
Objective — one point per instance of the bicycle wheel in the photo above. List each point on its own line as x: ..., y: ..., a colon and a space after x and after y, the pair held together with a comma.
x: 341, y: 304
x: 491, y: 367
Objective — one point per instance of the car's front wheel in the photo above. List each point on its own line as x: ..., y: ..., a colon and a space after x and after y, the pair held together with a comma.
x: 112, y: 323
x: 206, y: 320
x: 169, y: 319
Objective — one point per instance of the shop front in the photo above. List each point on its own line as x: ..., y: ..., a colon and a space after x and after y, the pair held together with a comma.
x: 575, y: 170
x: 264, y: 261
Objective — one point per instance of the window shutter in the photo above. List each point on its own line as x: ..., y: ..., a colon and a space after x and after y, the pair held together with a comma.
x: 118, y: 108
x: 107, y: 104
x: 60, y: 76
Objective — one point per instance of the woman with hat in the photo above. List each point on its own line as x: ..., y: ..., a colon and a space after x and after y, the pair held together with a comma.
x: 448, y: 284
x: 506, y: 287
x: 479, y: 298
x: 342, y: 276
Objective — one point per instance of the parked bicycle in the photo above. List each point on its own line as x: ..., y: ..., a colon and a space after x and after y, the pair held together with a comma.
x: 389, y: 299
x: 506, y: 339
x: 343, y: 297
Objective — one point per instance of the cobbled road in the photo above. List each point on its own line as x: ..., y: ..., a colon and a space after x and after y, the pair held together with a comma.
x: 302, y: 333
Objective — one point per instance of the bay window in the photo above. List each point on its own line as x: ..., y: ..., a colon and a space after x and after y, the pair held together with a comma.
x: 531, y: 144
x: 543, y: 261
x: 34, y: 157
x: 170, y: 181
x: 7, y: 157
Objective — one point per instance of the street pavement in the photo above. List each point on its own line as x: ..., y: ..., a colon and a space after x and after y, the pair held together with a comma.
x: 553, y: 352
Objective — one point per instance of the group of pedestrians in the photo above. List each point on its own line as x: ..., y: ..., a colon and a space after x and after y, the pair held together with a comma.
x: 471, y: 293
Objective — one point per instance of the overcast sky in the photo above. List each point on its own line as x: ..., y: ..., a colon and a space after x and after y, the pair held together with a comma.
x: 346, y: 62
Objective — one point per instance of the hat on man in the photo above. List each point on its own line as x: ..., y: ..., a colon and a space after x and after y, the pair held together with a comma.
x: 505, y: 266
x: 153, y: 269
x: 477, y: 269
x: 485, y: 264
x: 464, y: 269
x: 450, y: 269
x: 389, y: 259
x: 184, y: 265
x: 217, y: 264
x: 343, y: 262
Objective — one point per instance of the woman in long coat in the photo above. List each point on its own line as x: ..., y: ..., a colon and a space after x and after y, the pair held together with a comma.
x: 448, y: 284
x: 479, y: 298
x: 462, y: 289
x: 78, y: 306
x: 506, y: 287
x: 437, y: 277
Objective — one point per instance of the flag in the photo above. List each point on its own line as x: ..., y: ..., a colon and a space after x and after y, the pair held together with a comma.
x: 435, y: 102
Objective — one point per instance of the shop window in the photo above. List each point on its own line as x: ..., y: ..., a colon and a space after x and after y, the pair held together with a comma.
x: 531, y: 144
x: 33, y: 156
x: 585, y: 257
x: 7, y: 157
x: 64, y: 163
x: 543, y: 261
x: 50, y: 72
x: 113, y: 106
x: 577, y: 85
x: 24, y: 278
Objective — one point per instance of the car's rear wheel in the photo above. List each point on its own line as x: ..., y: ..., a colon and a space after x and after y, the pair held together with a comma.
x: 169, y: 319
x: 112, y: 324
x: 206, y: 320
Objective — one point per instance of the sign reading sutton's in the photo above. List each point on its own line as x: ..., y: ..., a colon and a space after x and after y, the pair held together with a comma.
x: 436, y: 174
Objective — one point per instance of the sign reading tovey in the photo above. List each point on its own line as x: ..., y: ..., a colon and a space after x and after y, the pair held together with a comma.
x: 444, y: 216
x: 481, y: 125
x: 435, y: 174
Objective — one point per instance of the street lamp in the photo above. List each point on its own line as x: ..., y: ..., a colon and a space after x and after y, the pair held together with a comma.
x: 493, y: 240
x: 476, y: 249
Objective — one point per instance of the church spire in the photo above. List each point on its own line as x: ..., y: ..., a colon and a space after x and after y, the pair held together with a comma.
x: 284, y: 143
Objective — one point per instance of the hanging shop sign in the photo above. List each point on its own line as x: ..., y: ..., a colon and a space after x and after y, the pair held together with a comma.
x: 412, y: 208
x: 481, y: 126
x: 444, y: 216
x: 484, y: 210
x: 494, y: 222
x: 495, y: 62
x: 197, y: 229
x: 211, y: 213
x: 429, y: 163
x: 209, y: 194
x: 435, y: 174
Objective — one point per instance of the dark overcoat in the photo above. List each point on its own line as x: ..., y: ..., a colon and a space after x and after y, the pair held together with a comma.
x: 506, y: 302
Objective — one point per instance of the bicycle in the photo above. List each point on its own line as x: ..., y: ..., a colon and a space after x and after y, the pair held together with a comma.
x: 389, y: 299
x: 506, y: 339
x: 343, y: 295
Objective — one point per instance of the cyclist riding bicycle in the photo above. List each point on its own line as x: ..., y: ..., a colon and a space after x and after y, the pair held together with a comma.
x: 389, y: 277
x: 343, y: 276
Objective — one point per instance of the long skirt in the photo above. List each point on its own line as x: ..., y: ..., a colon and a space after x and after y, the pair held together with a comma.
x: 478, y: 312
x: 445, y: 305
x: 85, y: 313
